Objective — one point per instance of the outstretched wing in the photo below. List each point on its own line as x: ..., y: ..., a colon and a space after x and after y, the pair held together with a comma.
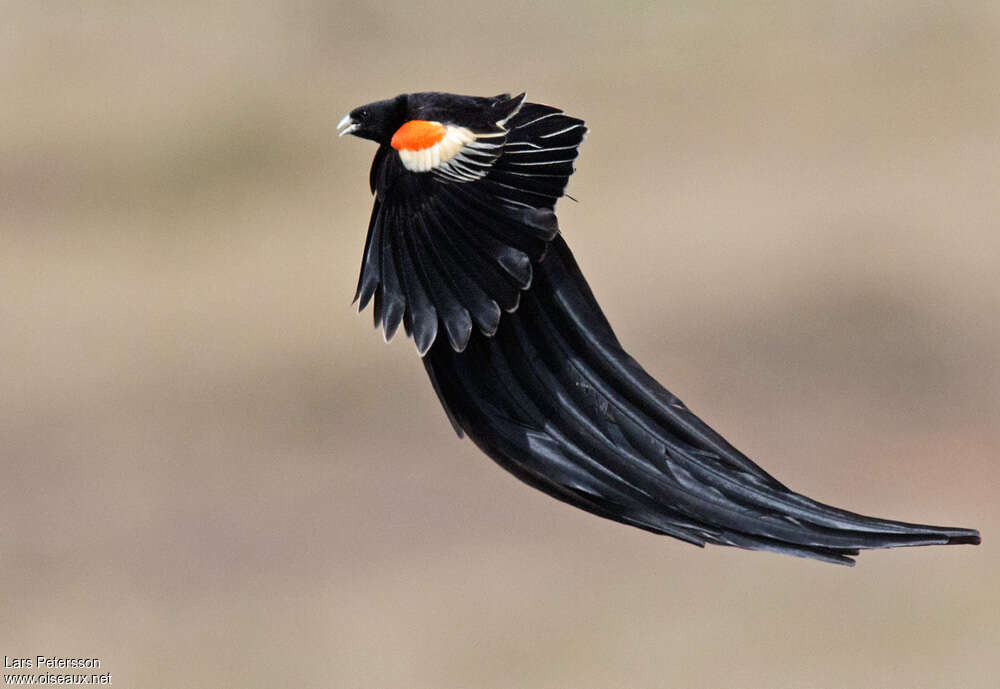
x: 453, y: 245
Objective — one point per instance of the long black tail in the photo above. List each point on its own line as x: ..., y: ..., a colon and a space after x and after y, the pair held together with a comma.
x: 555, y: 400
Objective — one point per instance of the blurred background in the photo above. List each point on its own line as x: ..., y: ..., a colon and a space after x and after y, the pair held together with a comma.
x: 216, y: 474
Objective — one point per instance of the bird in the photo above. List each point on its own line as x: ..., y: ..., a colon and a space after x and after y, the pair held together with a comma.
x: 464, y: 250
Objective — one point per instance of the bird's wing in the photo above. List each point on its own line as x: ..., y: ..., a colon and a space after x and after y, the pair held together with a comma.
x: 448, y: 252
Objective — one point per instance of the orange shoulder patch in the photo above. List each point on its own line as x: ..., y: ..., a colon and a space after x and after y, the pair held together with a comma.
x: 416, y: 135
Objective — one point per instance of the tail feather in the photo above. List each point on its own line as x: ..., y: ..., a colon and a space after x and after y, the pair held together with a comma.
x: 554, y: 398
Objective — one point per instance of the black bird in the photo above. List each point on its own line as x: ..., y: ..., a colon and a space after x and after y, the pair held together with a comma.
x: 464, y: 251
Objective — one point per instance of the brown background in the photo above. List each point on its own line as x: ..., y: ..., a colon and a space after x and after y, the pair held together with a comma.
x: 216, y: 475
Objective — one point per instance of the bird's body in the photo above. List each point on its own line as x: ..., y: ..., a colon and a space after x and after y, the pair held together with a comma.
x: 464, y: 251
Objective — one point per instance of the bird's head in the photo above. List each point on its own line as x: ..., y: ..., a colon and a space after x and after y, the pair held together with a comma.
x: 376, y: 121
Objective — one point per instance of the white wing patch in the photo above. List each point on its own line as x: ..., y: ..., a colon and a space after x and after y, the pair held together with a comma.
x: 457, y: 155
x: 473, y: 160
x: 432, y: 157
